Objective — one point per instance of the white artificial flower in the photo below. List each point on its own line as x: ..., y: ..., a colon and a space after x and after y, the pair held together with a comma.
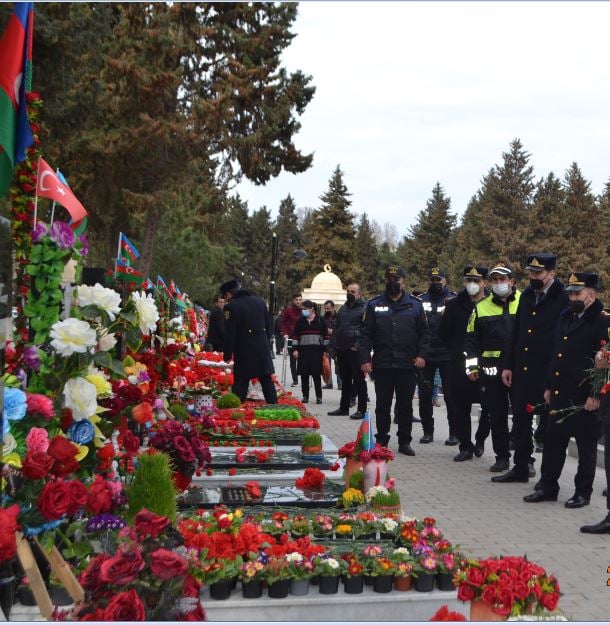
x: 80, y: 396
x: 9, y: 444
x: 72, y: 336
x: 106, y: 341
x: 295, y: 556
x: 389, y: 524
x: 402, y: 551
x: 98, y: 295
x: 374, y: 490
x: 148, y: 315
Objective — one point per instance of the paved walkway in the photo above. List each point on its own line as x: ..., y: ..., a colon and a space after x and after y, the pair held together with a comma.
x: 488, y: 519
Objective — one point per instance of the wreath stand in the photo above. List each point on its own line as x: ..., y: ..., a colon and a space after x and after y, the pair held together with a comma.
x: 58, y: 565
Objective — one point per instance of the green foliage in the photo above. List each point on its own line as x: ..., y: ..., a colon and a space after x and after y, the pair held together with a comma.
x: 179, y: 411
x: 312, y: 439
x: 289, y: 240
x: 152, y: 487
x: 368, y: 258
x: 356, y: 480
x: 391, y: 498
x: 228, y: 400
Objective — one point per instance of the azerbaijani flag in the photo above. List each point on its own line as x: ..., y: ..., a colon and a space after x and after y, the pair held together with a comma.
x: 364, y: 438
x: 128, y: 248
x: 128, y: 274
x: 148, y: 284
x: 161, y: 283
x: 15, y: 79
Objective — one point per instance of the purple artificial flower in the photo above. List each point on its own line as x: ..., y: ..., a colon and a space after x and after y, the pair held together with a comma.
x: 84, y: 251
x: 62, y: 235
x: 38, y: 231
x: 31, y: 359
x: 104, y: 521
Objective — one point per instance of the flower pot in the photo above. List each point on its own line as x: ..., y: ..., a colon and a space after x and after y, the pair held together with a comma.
x: 329, y: 584
x: 221, y: 589
x: 367, y: 536
x: 252, y: 589
x: 311, y: 451
x: 279, y: 589
x: 425, y: 582
x: 353, y: 585
x: 403, y: 582
x: 351, y: 466
x: 387, y: 509
x: 481, y: 611
x: 444, y: 581
x: 383, y: 583
x: 375, y: 473
x: 203, y: 402
x: 299, y: 586
x: 368, y: 580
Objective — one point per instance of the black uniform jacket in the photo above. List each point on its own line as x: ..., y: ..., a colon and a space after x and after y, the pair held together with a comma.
x: 247, y: 334
x: 532, y: 340
x: 346, y: 332
x: 434, y: 308
x: 453, y: 323
x: 397, y: 332
x: 216, y: 327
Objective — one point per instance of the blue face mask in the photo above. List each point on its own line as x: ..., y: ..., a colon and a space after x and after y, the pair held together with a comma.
x: 305, y: 313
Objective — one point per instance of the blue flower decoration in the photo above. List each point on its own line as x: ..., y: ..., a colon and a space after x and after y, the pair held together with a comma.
x: 15, y: 405
x: 81, y: 432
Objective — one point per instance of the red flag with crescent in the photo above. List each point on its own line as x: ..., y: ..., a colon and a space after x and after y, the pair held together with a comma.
x: 49, y: 185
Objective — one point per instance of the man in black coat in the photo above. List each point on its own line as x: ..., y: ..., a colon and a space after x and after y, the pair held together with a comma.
x: 526, y: 363
x: 438, y: 358
x: 394, y: 327
x: 464, y: 393
x: 247, y: 334
x: 581, y: 330
x: 216, y: 325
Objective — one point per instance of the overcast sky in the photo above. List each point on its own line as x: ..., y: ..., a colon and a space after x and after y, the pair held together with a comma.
x: 411, y: 93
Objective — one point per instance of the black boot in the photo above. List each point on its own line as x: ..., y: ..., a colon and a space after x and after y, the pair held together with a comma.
x: 603, y: 527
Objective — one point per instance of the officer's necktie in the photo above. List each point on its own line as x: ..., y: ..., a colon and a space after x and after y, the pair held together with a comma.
x: 539, y: 297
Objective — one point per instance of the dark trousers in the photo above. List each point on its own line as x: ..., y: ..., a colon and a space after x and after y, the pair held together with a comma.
x: 495, y: 399
x: 464, y: 394
x: 425, y: 396
x: 387, y: 383
x: 317, y: 384
x: 543, y: 421
x: 522, y: 426
x: 606, y: 432
x: 555, y: 448
x: 293, y: 366
x: 240, y: 388
x: 352, y: 379
x: 279, y: 344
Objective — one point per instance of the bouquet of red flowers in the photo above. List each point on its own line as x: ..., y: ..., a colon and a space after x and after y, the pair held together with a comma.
x: 348, y: 450
x: 511, y: 585
x: 379, y: 452
x: 313, y: 479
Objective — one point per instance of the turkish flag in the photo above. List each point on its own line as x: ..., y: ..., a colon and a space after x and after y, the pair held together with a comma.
x: 49, y: 185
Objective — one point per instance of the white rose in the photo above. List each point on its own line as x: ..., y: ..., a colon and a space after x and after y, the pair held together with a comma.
x: 105, y: 299
x: 147, y: 312
x: 106, y: 341
x: 9, y: 444
x: 80, y: 396
x: 72, y: 336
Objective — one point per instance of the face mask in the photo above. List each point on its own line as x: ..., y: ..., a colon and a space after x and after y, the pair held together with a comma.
x: 351, y: 298
x: 576, y: 306
x: 435, y: 288
x: 472, y: 288
x: 305, y: 313
x: 392, y: 288
x: 536, y: 284
x: 502, y: 289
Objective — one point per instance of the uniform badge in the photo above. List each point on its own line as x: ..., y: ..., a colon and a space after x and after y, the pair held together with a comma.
x: 227, y: 314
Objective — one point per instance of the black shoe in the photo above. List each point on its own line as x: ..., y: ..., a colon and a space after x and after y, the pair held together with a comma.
x: 498, y: 466
x: 416, y: 420
x: 327, y: 386
x: 426, y: 438
x: 305, y: 400
x: 463, y: 455
x: 406, y: 449
x: 538, y: 485
x: 357, y: 415
x: 539, y: 447
x: 577, y: 501
x: 605, y: 493
x: 539, y: 495
x: 318, y: 400
x: 603, y: 527
x: 514, y: 475
x: 479, y: 449
x: 294, y: 384
x: 451, y: 441
x: 531, y: 470
x: 338, y: 413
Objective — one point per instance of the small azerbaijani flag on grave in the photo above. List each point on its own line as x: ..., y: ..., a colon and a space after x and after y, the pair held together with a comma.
x: 127, y: 249
x: 125, y: 272
x: 364, y: 438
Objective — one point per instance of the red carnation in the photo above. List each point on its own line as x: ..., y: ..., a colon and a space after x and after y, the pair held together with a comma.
x: 443, y: 614
x: 530, y: 408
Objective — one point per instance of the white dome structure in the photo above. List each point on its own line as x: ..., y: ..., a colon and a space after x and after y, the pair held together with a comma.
x: 326, y: 285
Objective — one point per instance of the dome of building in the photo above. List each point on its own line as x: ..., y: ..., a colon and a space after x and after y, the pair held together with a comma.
x: 326, y: 285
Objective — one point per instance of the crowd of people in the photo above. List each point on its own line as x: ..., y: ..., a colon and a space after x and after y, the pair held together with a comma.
x: 491, y: 344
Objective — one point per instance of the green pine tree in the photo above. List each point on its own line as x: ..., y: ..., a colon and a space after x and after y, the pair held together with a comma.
x: 289, y: 242
x: 368, y: 259
x: 257, y: 266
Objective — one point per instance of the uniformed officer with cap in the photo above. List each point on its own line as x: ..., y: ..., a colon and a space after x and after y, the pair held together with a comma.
x: 581, y: 330
x: 247, y: 335
x: 395, y: 329
x: 487, y: 336
x: 526, y: 362
x: 464, y: 392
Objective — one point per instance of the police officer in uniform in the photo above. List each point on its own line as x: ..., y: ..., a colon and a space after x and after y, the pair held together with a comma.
x: 487, y: 337
x: 464, y: 393
x: 247, y: 334
x: 527, y: 360
x: 580, y: 331
x: 394, y: 327
x: 438, y: 357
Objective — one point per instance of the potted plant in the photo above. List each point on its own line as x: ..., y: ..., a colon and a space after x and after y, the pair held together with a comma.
x: 352, y: 497
x: 382, y: 570
x: 329, y: 571
x: 311, y: 445
x: 278, y: 574
x: 384, y: 499
x: 353, y: 574
x: 301, y: 571
x: 323, y: 525
x: 424, y: 571
x: 219, y: 574
x: 252, y: 574
x: 388, y: 526
x: 299, y: 526
x: 375, y: 465
x: 403, y: 577
x: 349, y: 452
x: 366, y: 526
x: 344, y: 529
x: 446, y: 565
x: 370, y: 553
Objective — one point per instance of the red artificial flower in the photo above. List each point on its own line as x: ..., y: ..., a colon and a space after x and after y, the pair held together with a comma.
x: 313, y: 479
x: 78, y: 496
x: 90, y: 578
x: 444, y: 614
x: 99, y: 498
x: 54, y: 500
x: 8, y: 527
x: 143, y: 413
x: 41, y: 405
x: 125, y: 606
x: 232, y: 471
x: 530, y: 408
x: 148, y: 523
x: 466, y: 592
x: 550, y: 600
x: 122, y: 568
x: 37, y: 464
x: 166, y: 564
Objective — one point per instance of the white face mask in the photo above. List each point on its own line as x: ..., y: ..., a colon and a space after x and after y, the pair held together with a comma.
x: 502, y: 289
x: 472, y: 288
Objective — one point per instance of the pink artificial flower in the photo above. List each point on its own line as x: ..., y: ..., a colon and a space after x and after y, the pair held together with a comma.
x: 40, y: 404
x: 37, y: 439
x: 390, y: 484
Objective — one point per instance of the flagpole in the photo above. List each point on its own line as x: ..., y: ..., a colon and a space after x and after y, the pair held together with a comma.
x: 117, y: 254
x: 54, y: 202
x: 36, y: 192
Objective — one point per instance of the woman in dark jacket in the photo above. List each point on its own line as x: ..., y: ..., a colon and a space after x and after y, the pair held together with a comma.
x: 311, y: 334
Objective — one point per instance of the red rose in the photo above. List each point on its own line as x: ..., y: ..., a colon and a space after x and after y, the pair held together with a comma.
x: 61, y: 469
x: 126, y: 606
x: 475, y: 576
x: 37, y: 465
x: 466, y: 593
x: 78, y: 496
x: 97, y: 615
x: 505, y: 599
x: 520, y: 590
x: 550, y: 600
x: 191, y: 587
x: 61, y: 449
x: 90, y: 578
x: 150, y: 524
x: 106, y: 452
x: 54, y: 500
x: 184, y: 449
x: 166, y: 564
x: 529, y: 408
x: 489, y: 595
x: 122, y: 568
x: 99, y: 498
